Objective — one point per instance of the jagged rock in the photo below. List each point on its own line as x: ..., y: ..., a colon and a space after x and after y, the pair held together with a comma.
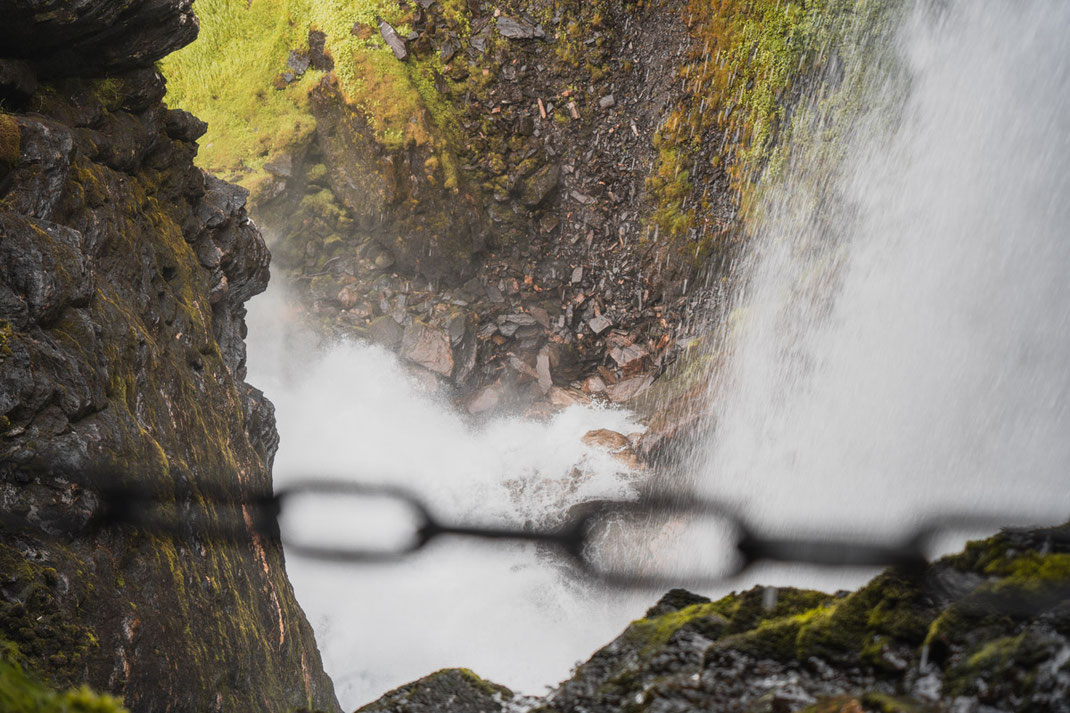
x: 599, y: 323
x: 628, y: 389
x: 393, y: 40
x: 183, y: 126
x: 538, y: 187
x: 94, y: 38
x: 453, y: 690
x: 123, y: 272
x: 607, y: 101
x: 594, y: 385
x: 43, y: 167
x: 801, y: 650
x: 516, y: 29
x: 428, y: 347
x: 386, y: 331
x: 282, y: 166
x: 626, y: 354
x: 486, y: 399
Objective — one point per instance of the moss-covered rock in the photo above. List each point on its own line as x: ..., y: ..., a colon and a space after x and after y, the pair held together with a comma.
x: 123, y: 273
x: 987, y: 626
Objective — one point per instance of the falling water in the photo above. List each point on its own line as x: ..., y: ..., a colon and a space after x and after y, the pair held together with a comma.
x: 353, y: 412
x: 899, y: 347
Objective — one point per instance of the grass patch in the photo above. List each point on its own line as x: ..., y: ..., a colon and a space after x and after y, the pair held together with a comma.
x: 230, y: 77
x: 20, y: 693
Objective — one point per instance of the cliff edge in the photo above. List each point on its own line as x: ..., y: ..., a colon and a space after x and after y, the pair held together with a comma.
x: 123, y: 273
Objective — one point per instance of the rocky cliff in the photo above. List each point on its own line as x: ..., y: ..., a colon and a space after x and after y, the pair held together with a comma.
x: 123, y: 273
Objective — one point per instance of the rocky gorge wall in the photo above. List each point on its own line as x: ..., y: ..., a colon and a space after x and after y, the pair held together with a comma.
x: 123, y: 273
x: 533, y: 203
x: 475, y: 198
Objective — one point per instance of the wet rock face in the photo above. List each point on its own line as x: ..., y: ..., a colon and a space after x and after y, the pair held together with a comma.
x: 95, y: 36
x: 123, y: 273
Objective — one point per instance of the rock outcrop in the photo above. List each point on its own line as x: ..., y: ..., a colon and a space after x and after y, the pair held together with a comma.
x: 982, y: 631
x: 123, y: 273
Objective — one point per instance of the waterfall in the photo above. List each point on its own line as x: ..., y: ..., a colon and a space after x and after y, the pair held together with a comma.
x: 900, y: 346
x: 353, y: 412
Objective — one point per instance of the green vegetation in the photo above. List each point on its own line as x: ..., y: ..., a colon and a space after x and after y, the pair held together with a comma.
x: 10, y: 139
x: 889, y: 613
x: 20, y: 693
x: 749, y: 62
x: 232, y: 77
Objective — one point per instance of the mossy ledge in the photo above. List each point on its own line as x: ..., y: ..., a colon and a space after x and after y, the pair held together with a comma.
x: 987, y: 627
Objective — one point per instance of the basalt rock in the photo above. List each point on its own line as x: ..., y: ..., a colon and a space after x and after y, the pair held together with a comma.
x: 94, y: 37
x: 123, y: 273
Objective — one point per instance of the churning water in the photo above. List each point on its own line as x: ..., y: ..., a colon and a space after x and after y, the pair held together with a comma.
x: 899, y: 347
x: 353, y: 412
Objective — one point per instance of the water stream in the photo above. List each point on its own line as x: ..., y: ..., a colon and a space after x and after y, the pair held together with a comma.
x: 899, y: 347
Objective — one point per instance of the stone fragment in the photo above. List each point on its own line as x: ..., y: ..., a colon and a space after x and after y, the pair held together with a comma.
x: 428, y: 347
x: 594, y: 385
x: 599, y: 324
x: 298, y: 61
x: 448, y: 50
x: 386, y: 331
x: 607, y: 102
x: 393, y: 40
x: 538, y: 187
x: 541, y: 316
x: 542, y: 370
x: 348, y: 296
x: 486, y: 399
x: 577, y: 275
x: 563, y: 398
x: 618, y: 445
x: 180, y: 125
x: 626, y: 354
x: 629, y: 389
x: 515, y: 29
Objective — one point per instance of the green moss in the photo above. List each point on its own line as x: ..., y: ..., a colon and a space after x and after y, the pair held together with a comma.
x: 229, y: 77
x: 10, y: 140
x: 750, y: 60
x: 20, y: 693
x: 108, y: 91
x: 6, y: 333
x: 652, y: 634
x: 883, y: 703
x: 491, y: 689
